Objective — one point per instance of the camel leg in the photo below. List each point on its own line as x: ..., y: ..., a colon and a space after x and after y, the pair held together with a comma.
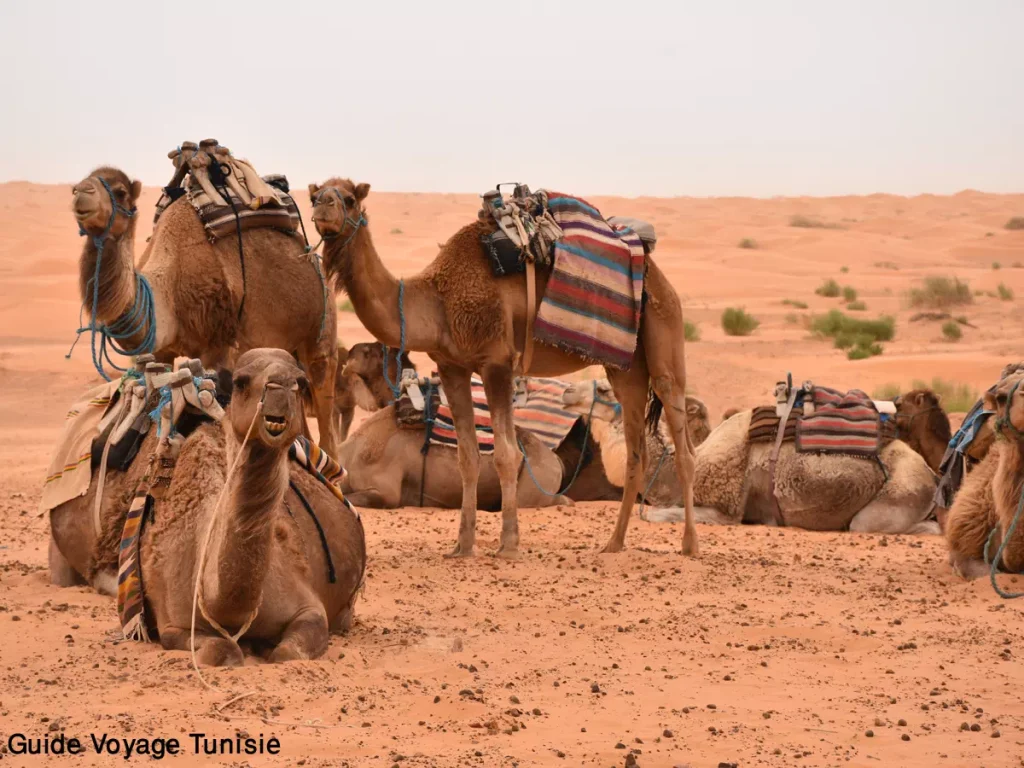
x: 347, y: 414
x: 211, y: 650
x: 671, y: 391
x: 631, y: 391
x: 61, y: 572
x: 456, y: 383
x: 498, y: 386
x: 322, y: 372
x: 306, y: 637
x: 882, y: 517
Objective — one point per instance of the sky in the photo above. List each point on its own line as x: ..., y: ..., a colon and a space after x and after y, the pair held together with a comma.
x: 710, y: 98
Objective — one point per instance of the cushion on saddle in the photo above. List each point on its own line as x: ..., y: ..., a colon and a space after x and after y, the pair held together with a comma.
x: 643, y: 228
x: 764, y: 424
x: 591, y: 307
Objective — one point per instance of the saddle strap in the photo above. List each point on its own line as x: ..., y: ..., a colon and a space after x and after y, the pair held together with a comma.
x: 780, y: 436
x: 531, y: 313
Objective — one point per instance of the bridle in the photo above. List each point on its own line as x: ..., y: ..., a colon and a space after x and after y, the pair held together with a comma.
x: 346, y: 219
x: 115, y: 208
x: 1003, y: 420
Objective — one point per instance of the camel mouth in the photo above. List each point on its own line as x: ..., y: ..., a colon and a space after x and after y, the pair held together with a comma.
x: 275, y: 425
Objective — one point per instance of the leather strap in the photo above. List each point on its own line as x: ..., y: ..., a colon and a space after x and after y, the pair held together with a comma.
x: 780, y: 436
x: 531, y: 313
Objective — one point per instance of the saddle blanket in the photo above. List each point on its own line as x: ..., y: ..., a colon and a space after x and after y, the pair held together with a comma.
x: 841, y: 423
x: 542, y: 414
x: 591, y: 307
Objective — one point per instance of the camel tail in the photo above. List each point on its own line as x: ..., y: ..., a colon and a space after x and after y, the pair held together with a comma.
x: 654, y: 409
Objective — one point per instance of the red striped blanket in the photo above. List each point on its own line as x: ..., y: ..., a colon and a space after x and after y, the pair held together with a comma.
x: 591, y: 307
x: 845, y: 423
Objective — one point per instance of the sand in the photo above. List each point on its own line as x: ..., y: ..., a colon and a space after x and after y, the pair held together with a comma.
x: 773, y: 648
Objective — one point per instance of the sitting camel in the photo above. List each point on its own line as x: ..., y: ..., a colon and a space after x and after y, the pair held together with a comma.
x: 197, y: 288
x: 271, y: 569
x: 350, y: 391
x: 271, y: 492
x: 923, y: 425
x: 823, y: 492
x: 987, y: 501
x: 469, y: 321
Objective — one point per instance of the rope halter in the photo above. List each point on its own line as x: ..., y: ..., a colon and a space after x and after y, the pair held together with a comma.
x: 115, y: 208
x: 1003, y: 422
x: 346, y: 218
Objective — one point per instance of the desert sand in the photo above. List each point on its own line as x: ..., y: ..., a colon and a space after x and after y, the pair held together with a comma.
x: 774, y: 648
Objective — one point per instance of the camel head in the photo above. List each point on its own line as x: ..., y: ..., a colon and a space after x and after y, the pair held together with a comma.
x: 270, y: 376
x: 1007, y: 400
x: 579, y: 398
x: 919, y: 413
x: 338, y: 208
x: 104, y: 202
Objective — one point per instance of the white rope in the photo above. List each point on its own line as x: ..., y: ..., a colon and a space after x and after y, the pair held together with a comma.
x: 206, y: 544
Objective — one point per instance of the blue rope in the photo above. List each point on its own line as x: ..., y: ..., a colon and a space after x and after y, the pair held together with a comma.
x: 395, y: 387
x: 154, y: 415
x: 141, y: 316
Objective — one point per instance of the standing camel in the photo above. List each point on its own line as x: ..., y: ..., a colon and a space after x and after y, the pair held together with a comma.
x: 469, y: 322
x: 194, y: 289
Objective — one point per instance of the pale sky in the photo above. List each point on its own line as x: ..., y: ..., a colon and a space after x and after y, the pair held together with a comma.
x: 717, y: 97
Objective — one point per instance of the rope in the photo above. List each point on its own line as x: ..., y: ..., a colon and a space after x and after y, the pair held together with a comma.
x: 1003, y: 422
x: 331, y: 575
x: 657, y: 469
x: 206, y: 546
x: 141, y: 316
x: 428, y: 423
x: 395, y: 387
x: 316, y: 259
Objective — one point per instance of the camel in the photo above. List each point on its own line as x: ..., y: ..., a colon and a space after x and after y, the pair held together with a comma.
x: 266, y: 568
x: 987, y: 501
x: 197, y: 288
x: 79, y: 554
x: 350, y: 391
x: 469, y: 321
x: 815, y: 492
x: 923, y: 425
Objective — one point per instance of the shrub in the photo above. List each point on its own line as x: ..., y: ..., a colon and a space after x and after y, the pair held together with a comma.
x: 849, y: 293
x: 346, y: 306
x: 844, y: 270
x: 1017, y: 222
x: 864, y: 352
x: 955, y: 397
x: 887, y: 265
x: 746, y: 242
x: 962, y: 319
x: 1005, y: 292
x: 795, y: 304
x: 996, y: 265
x: 805, y: 222
x: 836, y: 323
x: 396, y: 231
x: 940, y: 292
x: 830, y: 289
x: 691, y: 331
x: 737, y: 322
x: 951, y: 330
x: 887, y: 392
x: 856, y: 306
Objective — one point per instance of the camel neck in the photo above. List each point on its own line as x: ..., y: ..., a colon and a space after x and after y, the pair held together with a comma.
x: 374, y: 293
x: 243, y: 550
x: 116, y: 284
x: 932, y: 449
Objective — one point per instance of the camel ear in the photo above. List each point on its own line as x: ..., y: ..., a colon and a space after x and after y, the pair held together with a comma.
x: 136, y: 190
x: 314, y: 190
x: 362, y: 190
x: 304, y: 391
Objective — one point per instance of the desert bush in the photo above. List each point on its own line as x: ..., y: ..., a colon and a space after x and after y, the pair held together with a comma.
x: 746, y: 242
x: 849, y: 293
x: 844, y: 270
x: 864, y: 352
x: 941, y: 292
x: 830, y: 289
x: 856, y: 306
x: 795, y: 304
x: 806, y: 222
x: 737, y: 322
x: 951, y: 330
x: 996, y: 265
x: 955, y: 397
x: 1017, y: 222
x: 691, y: 331
x: 859, y: 337
x: 1005, y: 292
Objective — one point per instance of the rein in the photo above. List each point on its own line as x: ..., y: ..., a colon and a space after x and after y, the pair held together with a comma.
x: 130, y: 323
x: 1003, y: 422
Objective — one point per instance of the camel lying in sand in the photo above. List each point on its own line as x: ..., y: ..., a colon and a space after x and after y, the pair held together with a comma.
x: 350, y: 391
x: 923, y: 425
x: 298, y: 601
x: 988, y: 498
x: 816, y: 492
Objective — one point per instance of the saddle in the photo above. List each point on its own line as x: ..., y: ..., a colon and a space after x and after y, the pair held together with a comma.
x: 226, y: 192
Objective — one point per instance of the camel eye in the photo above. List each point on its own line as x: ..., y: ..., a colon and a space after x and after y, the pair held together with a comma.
x: 241, y: 382
x: 350, y: 201
x: 121, y: 194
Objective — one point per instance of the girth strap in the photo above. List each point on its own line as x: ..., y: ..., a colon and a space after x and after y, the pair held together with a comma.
x: 780, y: 436
x: 531, y: 313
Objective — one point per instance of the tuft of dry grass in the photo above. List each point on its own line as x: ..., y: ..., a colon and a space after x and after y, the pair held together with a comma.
x: 806, y: 222
x: 736, y: 321
x: 1017, y: 222
x: 941, y: 292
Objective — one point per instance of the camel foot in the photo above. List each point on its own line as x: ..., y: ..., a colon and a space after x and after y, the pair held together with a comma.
x: 612, y: 547
x: 285, y: 652
x: 61, y: 572
x: 219, y: 652
x: 508, y: 554
x: 690, y: 546
x: 968, y: 568
x: 460, y: 551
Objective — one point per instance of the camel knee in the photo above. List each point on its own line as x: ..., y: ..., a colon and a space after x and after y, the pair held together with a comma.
x: 61, y: 572
x: 306, y: 637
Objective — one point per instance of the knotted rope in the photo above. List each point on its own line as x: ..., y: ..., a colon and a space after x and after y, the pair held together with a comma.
x: 396, y: 386
x: 141, y: 316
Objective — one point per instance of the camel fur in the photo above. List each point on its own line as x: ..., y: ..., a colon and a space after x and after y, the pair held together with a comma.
x: 468, y: 321
x: 265, y: 561
x: 923, y: 425
x: 197, y: 288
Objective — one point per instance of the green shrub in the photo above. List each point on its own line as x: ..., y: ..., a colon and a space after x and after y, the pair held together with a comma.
x: 807, y: 222
x: 996, y: 265
x: 888, y: 391
x: 864, y: 352
x: 737, y: 322
x: 830, y: 289
x: 856, y: 306
x: 849, y: 293
x: 954, y: 397
x: 1005, y: 292
x: 396, y: 231
x: 691, y: 331
x: 1017, y: 222
x: 951, y: 330
x: 941, y: 292
x: 835, y: 323
x: 844, y: 270
x: 795, y: 304
x: 746, y: 242
x: 887, y: 265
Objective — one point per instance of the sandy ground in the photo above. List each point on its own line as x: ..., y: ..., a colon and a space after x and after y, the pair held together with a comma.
x: 773, y: 648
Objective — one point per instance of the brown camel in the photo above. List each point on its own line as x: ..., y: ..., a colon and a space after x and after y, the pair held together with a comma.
x: 350, y: 391
x: 923, y: 425
x: 197, y: 288
x: 266, y: 566
x: 366, y: 361
x: 468, y: 321
x: 988, y: 499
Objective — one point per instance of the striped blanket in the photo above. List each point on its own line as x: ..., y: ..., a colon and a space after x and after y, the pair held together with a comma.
x: 542, y: 414
x: 592, y: 304
x: 842, y: 423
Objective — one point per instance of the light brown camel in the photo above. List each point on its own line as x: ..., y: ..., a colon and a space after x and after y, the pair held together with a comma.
x: 815, y: 491
x: 350, y: 392
x: 366, y: 361
x: 266, y: 566
x: 987, y: 500
x: 468, y: 321
x: 197, y: 287
x: 923, y: 424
